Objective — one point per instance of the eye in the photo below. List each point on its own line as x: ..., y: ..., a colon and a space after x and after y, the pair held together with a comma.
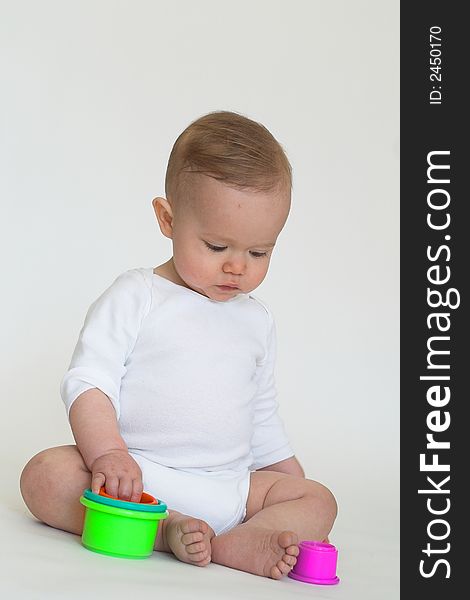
x: 222, y: 248
x: 215, y: 248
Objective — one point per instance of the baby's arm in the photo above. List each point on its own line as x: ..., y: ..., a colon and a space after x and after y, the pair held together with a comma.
x: 270, y: 444
x: 95, y: 429
x: 91, y: 387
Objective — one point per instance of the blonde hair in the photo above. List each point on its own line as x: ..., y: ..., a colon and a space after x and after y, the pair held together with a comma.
x: 230, y: 148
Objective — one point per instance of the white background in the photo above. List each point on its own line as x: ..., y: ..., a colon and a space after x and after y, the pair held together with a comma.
x: 94, y: 94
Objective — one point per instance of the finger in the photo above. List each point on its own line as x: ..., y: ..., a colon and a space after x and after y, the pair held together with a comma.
x: 125, y: 488
x: 97, y: 481
x: 112, y: 486
x: 137, y: 490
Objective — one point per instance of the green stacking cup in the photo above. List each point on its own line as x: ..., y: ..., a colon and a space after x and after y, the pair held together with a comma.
x: 119, y: 528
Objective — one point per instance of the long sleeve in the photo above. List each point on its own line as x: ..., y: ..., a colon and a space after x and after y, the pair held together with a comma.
x: 269, y: 443
x: 106, y: 339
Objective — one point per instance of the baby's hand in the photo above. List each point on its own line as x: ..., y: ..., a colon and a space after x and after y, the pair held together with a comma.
x: 121, y: 474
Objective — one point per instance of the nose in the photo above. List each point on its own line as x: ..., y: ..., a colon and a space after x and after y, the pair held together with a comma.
x: 236, y: 265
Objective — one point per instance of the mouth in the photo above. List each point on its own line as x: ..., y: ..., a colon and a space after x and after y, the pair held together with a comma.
x: 227, y: 288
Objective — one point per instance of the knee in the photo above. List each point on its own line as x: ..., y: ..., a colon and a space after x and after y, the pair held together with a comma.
x: 40, y: 478
x: 323, y: 500
x: 33, y: 475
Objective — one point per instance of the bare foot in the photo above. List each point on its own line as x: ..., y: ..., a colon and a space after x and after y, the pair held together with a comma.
x: 257, y: 550
x: 190, y: 539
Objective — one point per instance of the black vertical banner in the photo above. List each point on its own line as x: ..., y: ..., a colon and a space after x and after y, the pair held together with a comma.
x: 435, y: 269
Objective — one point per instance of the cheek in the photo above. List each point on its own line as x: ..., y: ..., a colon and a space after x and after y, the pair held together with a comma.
x: 259, y: 270
x: 194, y: 263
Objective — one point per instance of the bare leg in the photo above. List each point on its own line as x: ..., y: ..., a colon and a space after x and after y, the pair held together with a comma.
x: 53, y: 480
x: 51, y: 484
x: 284, y: 510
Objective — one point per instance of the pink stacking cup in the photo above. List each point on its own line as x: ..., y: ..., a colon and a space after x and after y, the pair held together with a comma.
x: 316, y: 563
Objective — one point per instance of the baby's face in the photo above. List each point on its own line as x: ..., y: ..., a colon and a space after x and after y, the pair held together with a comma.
x: 225, y: 237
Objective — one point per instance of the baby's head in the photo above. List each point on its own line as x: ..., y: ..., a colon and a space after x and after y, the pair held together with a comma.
x: 228, y: 190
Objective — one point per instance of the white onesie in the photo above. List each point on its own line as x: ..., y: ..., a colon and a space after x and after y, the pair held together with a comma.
x: 192, y: 383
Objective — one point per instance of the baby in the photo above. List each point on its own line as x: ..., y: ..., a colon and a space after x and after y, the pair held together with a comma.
x: 171, y: 385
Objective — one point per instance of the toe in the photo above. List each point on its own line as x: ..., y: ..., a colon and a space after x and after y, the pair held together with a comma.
x: 292, y: 550
x: 276, y: 573
x: 193, y: 548
x: 289, y: 560
x: 198, y: 556
x: 193, y: 525
x: 281, y: 565
x: 288, y: 538
x: 191, y: 538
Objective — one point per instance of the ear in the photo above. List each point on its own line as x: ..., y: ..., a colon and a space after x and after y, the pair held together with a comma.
x: 164, y: 214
